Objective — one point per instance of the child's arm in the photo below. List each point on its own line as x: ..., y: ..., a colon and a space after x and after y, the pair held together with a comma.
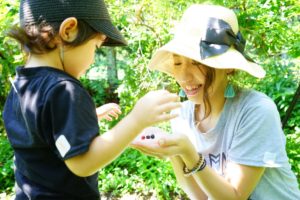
x: 151, y: 109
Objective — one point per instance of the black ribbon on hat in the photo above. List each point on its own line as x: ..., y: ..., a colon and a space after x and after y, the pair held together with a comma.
x: 218, y: 39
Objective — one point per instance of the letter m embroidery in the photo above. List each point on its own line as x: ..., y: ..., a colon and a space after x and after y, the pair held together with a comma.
x: 214, y: 161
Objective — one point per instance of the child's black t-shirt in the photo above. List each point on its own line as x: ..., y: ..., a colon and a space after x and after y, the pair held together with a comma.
x: 60, y: 123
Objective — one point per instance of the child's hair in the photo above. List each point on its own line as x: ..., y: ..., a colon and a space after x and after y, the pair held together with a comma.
x: 39, y: 38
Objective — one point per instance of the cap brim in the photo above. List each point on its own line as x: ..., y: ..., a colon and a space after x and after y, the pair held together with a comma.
x: 114, y: 37
x: 231, y: 59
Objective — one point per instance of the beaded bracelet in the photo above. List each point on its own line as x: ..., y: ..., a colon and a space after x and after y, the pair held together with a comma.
x: 200, y: 165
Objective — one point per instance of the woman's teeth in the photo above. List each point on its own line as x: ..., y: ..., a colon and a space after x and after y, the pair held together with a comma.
x: 192, y: 89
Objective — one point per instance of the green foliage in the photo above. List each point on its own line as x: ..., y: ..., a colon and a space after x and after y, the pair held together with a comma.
x: 136, y: 173
x: 6, y: 166
x: 10, y: 55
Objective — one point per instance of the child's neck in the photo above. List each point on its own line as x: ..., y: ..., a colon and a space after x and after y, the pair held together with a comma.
x: 50, y: 59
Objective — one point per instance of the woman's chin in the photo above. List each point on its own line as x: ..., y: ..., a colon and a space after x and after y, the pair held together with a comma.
x: 197, y: 99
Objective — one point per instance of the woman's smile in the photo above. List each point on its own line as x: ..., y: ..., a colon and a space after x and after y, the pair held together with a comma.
x: 192, y: 90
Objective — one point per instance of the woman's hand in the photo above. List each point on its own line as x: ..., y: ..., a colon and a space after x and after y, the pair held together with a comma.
x: 108, y: 111
x: 156, y: 142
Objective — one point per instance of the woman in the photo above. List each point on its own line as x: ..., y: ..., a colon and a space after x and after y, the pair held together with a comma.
x: 227, y: 143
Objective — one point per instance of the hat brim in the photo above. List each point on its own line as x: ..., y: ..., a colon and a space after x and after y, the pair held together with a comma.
x: 114, y: 37
x: 232, y: 59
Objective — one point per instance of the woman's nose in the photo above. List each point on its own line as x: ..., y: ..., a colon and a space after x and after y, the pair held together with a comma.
x: 184, y: 76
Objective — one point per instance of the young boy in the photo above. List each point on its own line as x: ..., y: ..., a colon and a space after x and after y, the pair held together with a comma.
x: 50, y: 119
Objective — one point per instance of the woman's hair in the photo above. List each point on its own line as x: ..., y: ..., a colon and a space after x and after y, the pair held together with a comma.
x: 209, y: 73
x: 38, y: 39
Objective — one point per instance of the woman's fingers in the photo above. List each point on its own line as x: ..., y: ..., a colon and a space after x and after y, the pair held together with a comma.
x: 147, y: 152
x: 170, y: 141
x: 158, y: 151
x: 157, y: 142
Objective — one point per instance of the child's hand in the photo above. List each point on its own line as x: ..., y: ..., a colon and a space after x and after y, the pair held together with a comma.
x: 107, y: 111
x: 154, y: 107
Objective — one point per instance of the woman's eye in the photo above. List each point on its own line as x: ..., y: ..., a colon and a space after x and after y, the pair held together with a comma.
x: 177, y: 63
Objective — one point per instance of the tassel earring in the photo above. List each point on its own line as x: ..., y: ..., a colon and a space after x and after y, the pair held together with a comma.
x: 229, y: 90
x: 182, y: 93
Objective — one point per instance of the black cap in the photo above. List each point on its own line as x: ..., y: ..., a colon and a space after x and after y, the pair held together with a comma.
x: 94, y: 12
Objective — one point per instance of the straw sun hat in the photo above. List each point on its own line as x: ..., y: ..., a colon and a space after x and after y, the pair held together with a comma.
x: 210, y: 35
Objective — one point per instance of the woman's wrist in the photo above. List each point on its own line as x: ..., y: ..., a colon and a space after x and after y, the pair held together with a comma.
x: 190, y: 160
x: 199, y: 166
x: 190, y: 156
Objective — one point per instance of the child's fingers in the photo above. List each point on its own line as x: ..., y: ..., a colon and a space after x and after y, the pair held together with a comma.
x: 153, y: 130
x: 108, y: 107
x: 169, y: 106
x: 166, y: 117
x: 107, y: 117
x: 113, y: 105
x: 114, y: 114
x: 118, y: 110
x: 169, y: 97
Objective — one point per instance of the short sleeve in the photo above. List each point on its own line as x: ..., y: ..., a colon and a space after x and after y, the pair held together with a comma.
x: 70, y: 119
x: 259, y: 139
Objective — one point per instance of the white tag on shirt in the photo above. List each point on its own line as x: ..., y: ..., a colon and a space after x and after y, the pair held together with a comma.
x: 62, y: 145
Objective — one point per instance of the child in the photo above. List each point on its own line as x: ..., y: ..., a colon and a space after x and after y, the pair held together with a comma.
x: 50, y: 119
x: 227, y: 142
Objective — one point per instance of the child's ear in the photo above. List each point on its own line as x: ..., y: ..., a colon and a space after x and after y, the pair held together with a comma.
x: 68, y: 29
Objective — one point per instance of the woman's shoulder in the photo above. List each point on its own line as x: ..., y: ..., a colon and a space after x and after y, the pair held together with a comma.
x: 253, y: 99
